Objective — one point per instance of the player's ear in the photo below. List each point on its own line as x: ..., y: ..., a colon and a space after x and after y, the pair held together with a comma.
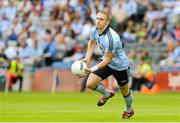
x: 108, y: 22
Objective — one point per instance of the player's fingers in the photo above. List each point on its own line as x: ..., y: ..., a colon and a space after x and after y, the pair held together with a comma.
x: 80, y: 76
x: 86, y: 61
x: 87, y: 70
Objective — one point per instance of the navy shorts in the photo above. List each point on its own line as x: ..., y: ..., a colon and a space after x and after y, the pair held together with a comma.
x: 122, y: 77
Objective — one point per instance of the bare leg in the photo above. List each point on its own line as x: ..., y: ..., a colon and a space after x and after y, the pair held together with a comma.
x: 93, y: 83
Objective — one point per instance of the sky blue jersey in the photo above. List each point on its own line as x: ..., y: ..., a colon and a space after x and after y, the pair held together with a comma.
x: 109, y: 41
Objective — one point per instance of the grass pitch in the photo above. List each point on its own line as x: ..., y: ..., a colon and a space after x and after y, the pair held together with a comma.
x: 81, y: 107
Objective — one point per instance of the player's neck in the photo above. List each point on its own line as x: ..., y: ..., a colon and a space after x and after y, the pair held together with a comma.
x: 101, y: 30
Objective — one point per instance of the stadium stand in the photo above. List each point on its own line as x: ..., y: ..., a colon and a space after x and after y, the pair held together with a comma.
x: 150, y: 25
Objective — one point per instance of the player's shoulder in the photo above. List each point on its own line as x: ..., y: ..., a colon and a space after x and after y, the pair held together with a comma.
x: 114, y: 34
x: 93, y: 29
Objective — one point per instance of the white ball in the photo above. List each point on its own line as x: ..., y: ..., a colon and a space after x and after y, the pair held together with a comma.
x: 78, y: 67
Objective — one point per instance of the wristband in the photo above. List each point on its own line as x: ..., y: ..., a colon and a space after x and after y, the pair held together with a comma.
x: 94, y: 68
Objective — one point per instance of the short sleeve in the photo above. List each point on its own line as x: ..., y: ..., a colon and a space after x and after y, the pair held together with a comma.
x: 110, y: 45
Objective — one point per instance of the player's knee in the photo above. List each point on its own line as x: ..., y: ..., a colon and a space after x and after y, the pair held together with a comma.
x: 124, y: 90
x: 89, y: 85
x: 125, y: 93
x: 92, y: 81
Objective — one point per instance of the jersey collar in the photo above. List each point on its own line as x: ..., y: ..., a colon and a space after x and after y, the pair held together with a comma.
x: 105, y: 31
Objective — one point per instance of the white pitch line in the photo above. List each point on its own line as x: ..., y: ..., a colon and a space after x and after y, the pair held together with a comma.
x: 91, y: 122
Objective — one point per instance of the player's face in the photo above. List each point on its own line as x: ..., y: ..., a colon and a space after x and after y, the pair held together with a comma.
x: 101, y: 21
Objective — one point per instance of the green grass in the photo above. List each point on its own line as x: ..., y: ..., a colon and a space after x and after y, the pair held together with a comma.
x: 81, y: 107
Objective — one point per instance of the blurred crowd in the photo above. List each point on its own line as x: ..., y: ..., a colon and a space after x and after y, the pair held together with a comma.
x: 55, y: 32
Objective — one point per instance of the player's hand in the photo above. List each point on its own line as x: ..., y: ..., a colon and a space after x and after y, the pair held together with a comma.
x: 81, y: 76
x: 86, y: 74
x: 88, y: 71
x: 86, y: 61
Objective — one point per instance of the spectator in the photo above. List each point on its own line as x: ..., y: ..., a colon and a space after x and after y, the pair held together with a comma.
x: 61, y: 46
x: 172, y: 57
x: 10, y: 10
x: 11, y: 51
x: 37, y: 7
x: 167, y: 58
x: 141, y: 33
x: 176, y: 54
x: 129, y: 34
x: 12, y: 35
x: 121, y: 17
x: 155, y: 33
x: 77, y: 25
x: 89, y: 14
x: 49, y: 49
x: 69, y: 7
x: 143, y: 76
x: 69, y: 23
x: 177, y: 30
x: 54, y: 14
x: 15, y: 73
x: 166, y: 36
x: 36, y: 49
x: 141, y: 9
x: 24, y: 6
x: 81, y: 8
x: 151, y: 15
x: 130, y: 6
x: 24, y: 51
x: 167, y: 6
x: 4, y: 24
x: 86, y: 28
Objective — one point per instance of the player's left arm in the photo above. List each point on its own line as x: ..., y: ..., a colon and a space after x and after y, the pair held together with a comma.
x: 107, y: 59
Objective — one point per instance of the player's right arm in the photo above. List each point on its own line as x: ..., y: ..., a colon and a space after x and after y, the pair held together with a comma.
x: 90, y: 47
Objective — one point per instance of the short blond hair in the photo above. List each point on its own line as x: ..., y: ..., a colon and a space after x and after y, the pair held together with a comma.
x: 105, y: 12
